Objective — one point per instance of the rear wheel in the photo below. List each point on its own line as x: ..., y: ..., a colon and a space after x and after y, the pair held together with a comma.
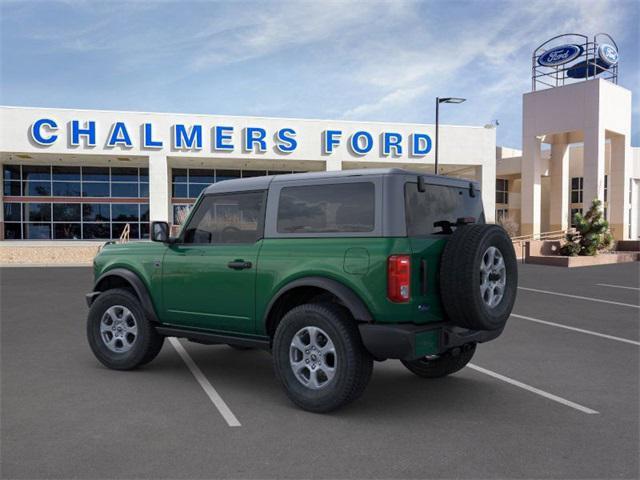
x: 442, y: 365
x: 319, y: 357
x: 479, y: 277
x: 119, y: 334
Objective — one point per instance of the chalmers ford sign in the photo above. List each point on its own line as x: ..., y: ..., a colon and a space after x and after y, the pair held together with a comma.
x: 46, y: 132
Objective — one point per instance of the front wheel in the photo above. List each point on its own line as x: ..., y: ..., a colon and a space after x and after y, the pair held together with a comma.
x: 119, y: 333
x: 319, y: 357
x: 443, y: 365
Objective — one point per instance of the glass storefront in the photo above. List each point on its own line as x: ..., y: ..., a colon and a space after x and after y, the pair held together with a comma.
x: 77, y: 202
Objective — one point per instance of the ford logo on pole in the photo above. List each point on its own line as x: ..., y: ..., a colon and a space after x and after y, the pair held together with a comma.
x: 560, y: 55
x: 608, y: 54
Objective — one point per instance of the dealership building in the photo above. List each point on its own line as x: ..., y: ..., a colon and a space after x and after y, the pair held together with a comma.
x: 86, y: 174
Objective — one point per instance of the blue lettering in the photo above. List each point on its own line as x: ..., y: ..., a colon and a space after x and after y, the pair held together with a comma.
x: 286, y: 142
x: 356, y: 146
x: 184, y: 139
x: 36, y: 131
x: 89, y: 131
x: 119, y: 136
x: 421, y: 144
x: 330, y: 140
x: 253, y: 136
x: 222, y: 137
x: 147, y: 138
x: 391, y: 140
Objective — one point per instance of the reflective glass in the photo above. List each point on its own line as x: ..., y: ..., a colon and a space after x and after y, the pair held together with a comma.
x: 37, y: 189
x: 37, y: 212
x: 128, y: 190
x: 124, y: 212
x: 12, y: 212
x: 12, y: 188
x: 95, y: 189
x: 11, y: 172
x: 95, y: 174
x: 69, y: 231
x: 66, y: 173
x: 66, y: 212
x: 36, y: 172
x: 37, y: 231
x: 66, y: 189
x: 96, y: 212
x: 124, y: 174
x: 95, y: 230
x: 13, y: 231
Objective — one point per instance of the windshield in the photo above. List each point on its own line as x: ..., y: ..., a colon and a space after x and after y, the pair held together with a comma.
x: 438, y: 203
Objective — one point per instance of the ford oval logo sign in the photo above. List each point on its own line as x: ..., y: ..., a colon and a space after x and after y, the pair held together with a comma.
x: 560, y: 55
x: 608, y: 54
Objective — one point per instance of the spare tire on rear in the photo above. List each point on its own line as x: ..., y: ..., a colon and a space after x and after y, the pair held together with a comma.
x: 478, y: 277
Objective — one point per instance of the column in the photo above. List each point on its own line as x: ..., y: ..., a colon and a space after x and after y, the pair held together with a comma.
x: 333, y: 164
x: 486, y: 175
x: 531, y: 178
x: 159, y: 198
x: 559, y: 170
x: 593, y: 166
x: 619, y: 185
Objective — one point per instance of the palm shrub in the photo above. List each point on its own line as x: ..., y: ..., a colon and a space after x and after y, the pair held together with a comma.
x: 592, y: 233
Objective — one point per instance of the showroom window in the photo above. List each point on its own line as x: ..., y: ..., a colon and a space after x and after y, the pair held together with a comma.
x: 78, y: 202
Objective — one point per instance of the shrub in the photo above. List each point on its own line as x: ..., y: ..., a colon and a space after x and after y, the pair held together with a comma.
x: 510, y: 225
x: 592, y: 233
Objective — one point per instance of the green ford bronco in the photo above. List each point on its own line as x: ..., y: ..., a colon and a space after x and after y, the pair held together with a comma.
x: 329, y: 271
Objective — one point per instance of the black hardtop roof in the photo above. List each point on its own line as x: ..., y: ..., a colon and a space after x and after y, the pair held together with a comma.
x: 262, y: 183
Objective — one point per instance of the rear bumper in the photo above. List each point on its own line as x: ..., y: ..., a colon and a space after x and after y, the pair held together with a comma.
x: 408, y: 342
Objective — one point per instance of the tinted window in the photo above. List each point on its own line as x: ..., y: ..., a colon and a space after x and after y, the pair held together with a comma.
x: 11, y: 172
x: 66, y: 173
x: 436, y: 204
x: 12, y: 188
x: 36, y: 172
x: 37, y: 189
x: 95, y: 212
x: 234, y: 218
x: 343, y: 207
x: 66, y: 189
x: 122, y: 212
x: 12, y: 212
x: 66, y: 212
x: 95, y: 189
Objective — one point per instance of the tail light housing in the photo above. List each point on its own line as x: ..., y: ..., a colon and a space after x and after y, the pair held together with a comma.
x: 399, y: 278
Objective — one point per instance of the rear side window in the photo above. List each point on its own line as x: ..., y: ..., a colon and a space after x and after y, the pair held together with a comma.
x: 228, y: 218
x: 438, y: 203
x: 335, y: 208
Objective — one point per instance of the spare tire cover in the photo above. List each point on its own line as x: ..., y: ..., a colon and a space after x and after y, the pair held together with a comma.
x: 478, y: 277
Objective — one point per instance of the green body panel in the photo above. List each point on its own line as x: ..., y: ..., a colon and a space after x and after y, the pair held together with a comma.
x: 200, y: 290
x: 142, y: 258
x: 192, y: 286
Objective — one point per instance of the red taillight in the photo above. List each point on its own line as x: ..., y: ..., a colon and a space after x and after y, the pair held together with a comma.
x: 399, y: 278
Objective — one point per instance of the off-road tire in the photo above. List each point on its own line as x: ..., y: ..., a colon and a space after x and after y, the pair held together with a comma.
x: 460, y: 277
x: 148, y: 342
x: 353, y: 363
x: 444, y: 365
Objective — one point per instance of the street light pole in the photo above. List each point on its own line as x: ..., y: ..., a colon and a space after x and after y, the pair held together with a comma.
x: 438, y: 102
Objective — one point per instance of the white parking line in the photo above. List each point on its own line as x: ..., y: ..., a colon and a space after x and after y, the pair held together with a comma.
x: 213, y: 395
x: 579, y: 297
x: 535, y: 390
x: 616, y: 286
x: 559, y: 325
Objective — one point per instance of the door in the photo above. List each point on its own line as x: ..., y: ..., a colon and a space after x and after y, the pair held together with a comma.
x: 209, y: 275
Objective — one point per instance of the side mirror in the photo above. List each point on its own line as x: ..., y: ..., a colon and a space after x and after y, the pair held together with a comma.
x: 160, y: 232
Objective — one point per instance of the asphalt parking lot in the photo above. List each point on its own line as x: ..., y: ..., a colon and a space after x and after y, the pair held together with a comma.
x: 556, y: 396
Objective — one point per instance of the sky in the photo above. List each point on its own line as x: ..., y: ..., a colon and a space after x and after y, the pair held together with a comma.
x: 345, y: 60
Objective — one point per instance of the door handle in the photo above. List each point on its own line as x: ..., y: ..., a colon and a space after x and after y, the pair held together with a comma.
x: 239, y: 265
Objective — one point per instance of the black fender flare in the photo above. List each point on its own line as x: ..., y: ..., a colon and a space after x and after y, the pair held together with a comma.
x: 346, y: 295
x: 138, y: 286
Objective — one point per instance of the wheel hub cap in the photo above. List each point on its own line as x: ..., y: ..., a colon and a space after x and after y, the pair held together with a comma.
x: 312, y: 357
x: 493, y: 277
x: 118, y: 329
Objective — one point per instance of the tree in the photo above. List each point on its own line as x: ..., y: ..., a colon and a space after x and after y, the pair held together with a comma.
x: 592, y: 233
